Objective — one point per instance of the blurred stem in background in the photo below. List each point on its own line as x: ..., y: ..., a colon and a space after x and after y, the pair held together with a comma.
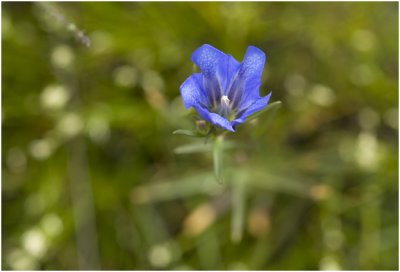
x: 82, y: 203
x: 332, y: 234
x: 370, y: 228
x: 78, y: 168
x: 238, y: 207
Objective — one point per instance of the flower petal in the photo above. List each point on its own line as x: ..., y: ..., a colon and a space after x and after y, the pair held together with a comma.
x: 244, y: 88
x: 256, y: 106
x: 227, y: 68
x: 214, y: 118
x: 252, y: 68
x: 192, y: 91
x: 253, y: 63
x: 206, y: 57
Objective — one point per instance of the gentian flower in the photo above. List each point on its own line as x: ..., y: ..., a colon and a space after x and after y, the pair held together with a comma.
x: 226, y: 92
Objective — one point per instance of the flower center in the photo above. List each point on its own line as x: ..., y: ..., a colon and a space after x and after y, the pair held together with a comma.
x: 225, y: 107
x: 225, y: 101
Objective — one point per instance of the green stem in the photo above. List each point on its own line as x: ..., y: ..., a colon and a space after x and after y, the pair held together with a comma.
x: 238, y: 207
x: 218, y: 157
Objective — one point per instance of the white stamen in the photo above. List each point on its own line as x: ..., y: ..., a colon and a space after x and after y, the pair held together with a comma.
x: 224, y: 107
x: 225, y: 101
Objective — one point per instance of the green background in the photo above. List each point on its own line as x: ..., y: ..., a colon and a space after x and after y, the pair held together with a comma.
x: 93, y: 178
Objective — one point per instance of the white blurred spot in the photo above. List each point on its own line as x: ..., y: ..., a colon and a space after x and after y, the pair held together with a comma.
x: 152, y: 80
x: 329, y: 263
x: 362, y: 75
x: 34, y: 242
x: 160, y: 256
x: 54, y: 97
x: 367, y: 151
x: 62, y: 56
x: 125, y: 76
x: 368, y: 119
x: 41, y: 149
x: 52, y: 225
x: 19, y: 260
x: 182, y: 267
x: 238, y: 266
x: 70, y: 125
x: 295, y: 84
x: 333, y: 239
x: 72, y: 27
x: 98, y: 129
x: 101, y: 41
x: 322, y: 95
x: 364, y: 40
x: 16, y: 160
x: 391, y: 118
x: 6, y: 26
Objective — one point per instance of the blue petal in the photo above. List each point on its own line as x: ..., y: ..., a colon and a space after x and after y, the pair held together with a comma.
x: 235, y: 90
x: 192, y: 91
x: 206, y: 57
x: 244, y: 89
x: 212, y: 90
x: 253, y: 63
x: 251, y: 71
x: 227, y: 68
x: 214, y: 118
x: 259, y: 104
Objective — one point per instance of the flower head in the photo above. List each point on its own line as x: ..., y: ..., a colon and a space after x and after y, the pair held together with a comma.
x: 226, y: 92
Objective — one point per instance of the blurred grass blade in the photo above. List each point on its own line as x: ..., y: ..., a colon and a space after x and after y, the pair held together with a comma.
x: 263, y: 180
x: 198, y: 147
x: 238, y: 204
x: 273, y: 106
x: 186, y: 132
x: 187, y: 186
x: 217, y: 157
x: 201, y: 147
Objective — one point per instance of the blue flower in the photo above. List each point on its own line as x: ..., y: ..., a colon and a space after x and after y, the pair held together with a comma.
x: 226, y: 92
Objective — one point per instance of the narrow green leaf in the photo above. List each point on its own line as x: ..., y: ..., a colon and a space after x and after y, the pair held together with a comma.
x: 273, y: 106
x: 186, y: 132
x: 201, y: 147
x: 198, y: 147
x: 176, y: 187
x: 262, y: 179
x: 217, y: 157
